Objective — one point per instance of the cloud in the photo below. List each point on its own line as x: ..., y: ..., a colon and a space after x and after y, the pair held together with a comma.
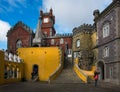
x: 72, y: 13
x: 9, y: 5
x: 4, y: 27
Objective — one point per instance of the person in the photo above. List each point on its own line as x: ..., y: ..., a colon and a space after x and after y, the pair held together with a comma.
x: 96, y: 73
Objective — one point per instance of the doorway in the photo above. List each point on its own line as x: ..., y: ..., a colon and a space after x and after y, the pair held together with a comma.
x: 34, y: 74
x: 101, y: 69
x: 35, y: 69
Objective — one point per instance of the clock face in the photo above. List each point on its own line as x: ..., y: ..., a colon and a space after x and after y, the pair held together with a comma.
x: 45, y: 20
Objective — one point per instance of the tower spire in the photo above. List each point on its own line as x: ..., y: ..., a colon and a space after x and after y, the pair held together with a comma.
x: 38, y: 35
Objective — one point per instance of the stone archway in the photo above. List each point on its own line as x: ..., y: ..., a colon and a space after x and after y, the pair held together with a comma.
x: 101, y: 68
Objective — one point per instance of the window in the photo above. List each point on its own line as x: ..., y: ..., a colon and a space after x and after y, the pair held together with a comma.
x: 52, y: 41
x: 61, y: 41
x: 111, y: 72
x: 46, y: 20
x: 50, y: 32
x: 75, y: 55
x: 106, y: 52
x: 106, y: 29
x: 45, y: 33
x: 19, y: 44
x: 78, y: 43
x: 69, y: 51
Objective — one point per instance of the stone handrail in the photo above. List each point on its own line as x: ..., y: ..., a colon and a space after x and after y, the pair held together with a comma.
x: 80, y: 74
x: 55, y: 73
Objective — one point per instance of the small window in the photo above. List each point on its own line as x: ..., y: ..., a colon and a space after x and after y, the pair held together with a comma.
x: 61, y: 41
x: 106, y: 29
x: 78, y: 43
x: 106, y: 52
x: 51, y: 32
x: 52, y: 41
x: 19, y: 44
x: 69, y: 51
x: 111, y: 72
x: 75, y: 55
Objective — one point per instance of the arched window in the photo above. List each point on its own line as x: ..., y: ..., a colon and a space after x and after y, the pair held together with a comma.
x: 52, y: 41
x: 106, y: 29
x: 106, y: 51
x: 78, y: 43
x: 61, y: 41
x: 19, y: 44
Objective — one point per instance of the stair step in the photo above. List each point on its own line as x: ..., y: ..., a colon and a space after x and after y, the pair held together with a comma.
x: 67, y: 75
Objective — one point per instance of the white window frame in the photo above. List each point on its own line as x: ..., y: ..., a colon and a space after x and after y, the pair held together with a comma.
x: 61, y: 41
x: 52, y: 41
x: 111, y: 72
x: 19, y: 44
x: 106, y: 29
x: 106, y: 51
x: 46, y: 20
x: 78, y: 43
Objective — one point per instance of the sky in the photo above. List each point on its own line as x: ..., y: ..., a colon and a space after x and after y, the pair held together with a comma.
x: 68, y: 14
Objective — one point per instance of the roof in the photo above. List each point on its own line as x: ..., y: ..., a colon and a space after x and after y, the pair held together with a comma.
x: 20, y: 24
x: 115, y: 3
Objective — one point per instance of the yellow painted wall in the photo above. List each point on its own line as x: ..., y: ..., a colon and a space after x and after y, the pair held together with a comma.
x: 47, y: 58
x: 1, y: 67
x: 94, y: 39
x: 12, y: 64
x: 78, y: 71
x: 83, y: 74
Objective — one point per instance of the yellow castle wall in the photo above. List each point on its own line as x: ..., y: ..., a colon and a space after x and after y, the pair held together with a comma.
x: 13, y: 66
x: 47, y: 59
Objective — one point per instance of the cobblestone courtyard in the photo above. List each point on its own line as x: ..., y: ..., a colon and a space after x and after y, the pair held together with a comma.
x: 55, y: 87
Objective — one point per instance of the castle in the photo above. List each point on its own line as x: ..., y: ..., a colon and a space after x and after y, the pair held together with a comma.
x: 93, y: 45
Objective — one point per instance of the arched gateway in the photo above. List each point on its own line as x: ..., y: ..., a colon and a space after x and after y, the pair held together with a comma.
x: 101, y: 68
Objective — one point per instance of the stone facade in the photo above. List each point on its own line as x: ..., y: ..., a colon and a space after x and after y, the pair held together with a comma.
x: 84, y: 50
x: 109, y: 65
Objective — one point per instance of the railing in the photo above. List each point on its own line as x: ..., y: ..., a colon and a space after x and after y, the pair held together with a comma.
x: 81, y: 75
x: 55, y: 73
x: 58, y: 70
x: 84, y: 75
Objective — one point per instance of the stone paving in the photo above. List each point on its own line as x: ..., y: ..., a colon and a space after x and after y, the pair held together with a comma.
x: 64, y: 83
x: 58, y: 87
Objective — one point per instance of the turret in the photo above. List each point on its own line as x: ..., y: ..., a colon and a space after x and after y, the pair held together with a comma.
x: 96, y: 13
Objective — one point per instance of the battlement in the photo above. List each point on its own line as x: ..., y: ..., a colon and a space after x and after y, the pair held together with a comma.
x: 20, y: 23
x: 86, y: 28
x: 62, y: 35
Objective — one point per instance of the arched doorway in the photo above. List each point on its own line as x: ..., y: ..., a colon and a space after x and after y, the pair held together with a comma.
x: 35, y: 72
x: 100, y: 66
x: 35, y: 68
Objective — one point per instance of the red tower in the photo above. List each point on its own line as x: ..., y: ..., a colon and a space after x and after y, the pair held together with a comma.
x: 47, y: 23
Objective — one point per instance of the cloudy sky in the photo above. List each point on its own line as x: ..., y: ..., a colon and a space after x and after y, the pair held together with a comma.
x: 68, y: 14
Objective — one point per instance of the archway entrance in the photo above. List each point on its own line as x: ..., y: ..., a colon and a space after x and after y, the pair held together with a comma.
x: 35, y: 72
x: 35, y: 68
x: 100, y: 66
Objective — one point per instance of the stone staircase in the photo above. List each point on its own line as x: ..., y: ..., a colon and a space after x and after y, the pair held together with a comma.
x: 67, y: 75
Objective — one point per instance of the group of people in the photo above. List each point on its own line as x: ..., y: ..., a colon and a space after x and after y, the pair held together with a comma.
x: 10, y: 56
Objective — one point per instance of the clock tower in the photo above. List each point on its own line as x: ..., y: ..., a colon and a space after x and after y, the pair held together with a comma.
x: 47, y: 23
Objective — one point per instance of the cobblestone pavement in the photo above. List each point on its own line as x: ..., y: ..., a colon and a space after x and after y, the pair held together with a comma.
x: 55, y: 87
